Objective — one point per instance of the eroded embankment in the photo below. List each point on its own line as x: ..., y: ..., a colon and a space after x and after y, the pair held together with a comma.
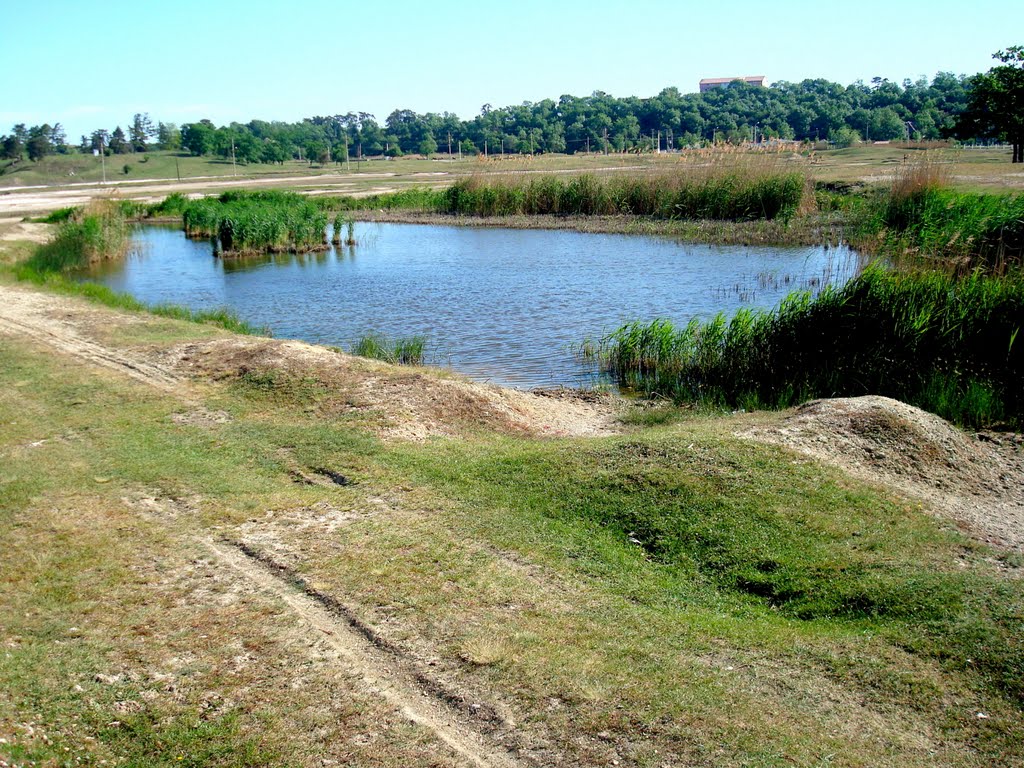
x: 409, y: 403
x: 977, y: 480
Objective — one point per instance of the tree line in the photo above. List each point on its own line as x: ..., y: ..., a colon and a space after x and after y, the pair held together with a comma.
x: 811, y: 110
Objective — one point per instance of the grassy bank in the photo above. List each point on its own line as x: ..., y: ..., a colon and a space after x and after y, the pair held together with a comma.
x: 669, y: 596
x: 946, y: 344
x: 101, y: 232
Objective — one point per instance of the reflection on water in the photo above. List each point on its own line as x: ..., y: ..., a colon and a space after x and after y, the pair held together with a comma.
x: 502, y: 305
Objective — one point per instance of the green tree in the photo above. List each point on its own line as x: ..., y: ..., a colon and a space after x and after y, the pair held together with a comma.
x: 140, y: 132
x: 886, y: 125
x: 428, y: 145
x: 198, y: 138
x: 11, y: 148
x: 168, y: 136
x: 39, y: 144
x: 39, y: 147
x: 118, y: 143
x: 995, y: 106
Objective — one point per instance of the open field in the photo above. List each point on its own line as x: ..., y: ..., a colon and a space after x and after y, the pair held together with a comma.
x: 228, y: 550
x: 49, y: 188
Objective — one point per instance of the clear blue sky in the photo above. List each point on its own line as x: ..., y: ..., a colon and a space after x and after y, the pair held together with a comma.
x: 90, y: 65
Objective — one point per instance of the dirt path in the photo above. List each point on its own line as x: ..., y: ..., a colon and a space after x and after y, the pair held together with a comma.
x: 469, y: 729
x: 24, y: 200
x: 50, y: 320
x: 382, y: 669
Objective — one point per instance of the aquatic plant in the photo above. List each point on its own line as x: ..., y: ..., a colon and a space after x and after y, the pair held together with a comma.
x: 947, y: 344
x: 401, y: 351
x: 256, y: 222
x: 94, y: 233
x: 728, y: 193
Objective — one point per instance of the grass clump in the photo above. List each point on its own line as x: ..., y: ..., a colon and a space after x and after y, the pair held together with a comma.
x: 946, y: 344
x: 245, y: 223
x: 172, y: 205
x: 402, y: 351
x: 57, y: 217
x: 94, y: 233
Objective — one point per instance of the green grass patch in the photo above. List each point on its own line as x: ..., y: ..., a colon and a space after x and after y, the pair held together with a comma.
x: 681, y: 520
x: 401, y: 351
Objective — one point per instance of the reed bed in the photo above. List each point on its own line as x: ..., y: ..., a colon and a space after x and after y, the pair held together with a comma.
x: 245, y: 223
x: 730, y: 192
x: 944, y: 343
x: 924, y: 219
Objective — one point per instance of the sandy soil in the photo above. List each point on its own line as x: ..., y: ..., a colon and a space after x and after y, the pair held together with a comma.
x: 30, y: 200
x: 406, y: 403
x: 976, y: 480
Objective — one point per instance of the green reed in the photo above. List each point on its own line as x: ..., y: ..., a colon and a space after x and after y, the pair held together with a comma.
x: 945, y: 343
x: 402, y: 351
x: 257, y: 222
x: 733, y: 194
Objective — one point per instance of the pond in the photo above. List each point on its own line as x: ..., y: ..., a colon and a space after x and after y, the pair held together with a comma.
x: 501, y: 305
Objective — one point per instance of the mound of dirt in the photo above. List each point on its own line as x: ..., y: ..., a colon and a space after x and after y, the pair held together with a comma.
x: 978, y: 480
x: 410, y: 403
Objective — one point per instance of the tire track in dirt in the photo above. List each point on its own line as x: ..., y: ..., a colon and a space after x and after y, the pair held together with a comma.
x: 381, y: 665
x: 26, y: 314
x: 465, y: 728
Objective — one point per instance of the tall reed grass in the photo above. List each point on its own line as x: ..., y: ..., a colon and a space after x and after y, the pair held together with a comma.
x: 256, y: 222
x: 924, y: 219
x: 724, y: 192
x: 946, y: 344
x: 86, y: 235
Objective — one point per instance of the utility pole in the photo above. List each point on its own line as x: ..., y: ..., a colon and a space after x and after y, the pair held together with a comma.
x: 588, y: 144
x: 103, y: 160
x: 449, y: 145
x: 348, y: 161
x: 485, y: 149
x: 234, y: 168
x: 606, y: 141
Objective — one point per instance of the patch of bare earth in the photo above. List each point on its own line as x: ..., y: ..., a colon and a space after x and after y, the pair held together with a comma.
x: 976, y: 480
x: 404, y: 403
x: 408, y: 403
x: 13, y: 229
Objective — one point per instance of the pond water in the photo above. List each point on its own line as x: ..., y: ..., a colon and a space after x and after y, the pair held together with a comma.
x: 497, y: 304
